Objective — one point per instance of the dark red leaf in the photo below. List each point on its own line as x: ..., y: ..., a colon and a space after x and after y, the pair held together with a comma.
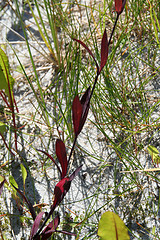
x: 76, y: 114
x: 48, y: 155
x: 88, y: 50
x: 31, y: 209
x: 36, y: 224
x: 60, y: 191
x: 48, y: 231
x: 1, y: 186
x: 85, y: 101
x: 104, y: 50
x: 62, y: 156
x: 119, y: 6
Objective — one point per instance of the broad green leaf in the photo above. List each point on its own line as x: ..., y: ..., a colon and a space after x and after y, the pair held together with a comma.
x: 154, y: 154
x: 13, y: 182
x: 111, y: 227
x: 3, y: 128
x: 24, y: 173
x: 4, y: 73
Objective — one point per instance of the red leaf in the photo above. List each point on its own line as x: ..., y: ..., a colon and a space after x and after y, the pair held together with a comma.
x: 60, y: 191
x: 88, y: 50
x: 62, y: 156
x: 1, y: 186
x: 36, y: 224
x: 119, y: 6
x: 85, y: 100
x: 76, y: 114
x: 48, y: 231
x: 104, y: 50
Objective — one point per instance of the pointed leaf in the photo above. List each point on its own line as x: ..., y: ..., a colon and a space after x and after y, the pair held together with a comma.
x: 85, y: 101
x: 62, y: 156
x: 104, y: 50
x: 24, y: 173
x: 112, y: 227
x: 48, y: 231
x: 88, y: 50
x: 1, y: 186
x: 75, y: 173
x: 119, y: 6
x: 36, y: 224
x: 60, y: 191
x: 48, y: 155
x: 31, y: 209
x: 76, y: 114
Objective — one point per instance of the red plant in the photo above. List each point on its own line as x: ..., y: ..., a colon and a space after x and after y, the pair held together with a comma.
x: 60, y: 190
x: 80, y: 109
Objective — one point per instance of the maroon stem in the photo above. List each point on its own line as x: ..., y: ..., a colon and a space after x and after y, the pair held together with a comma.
x: 113, y: 29
x: 72, y: 149
x: 6, y: 145
x: 4, y: 98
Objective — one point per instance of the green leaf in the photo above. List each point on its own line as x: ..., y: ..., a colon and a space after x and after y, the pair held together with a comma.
x: 152, y: 12
x: 111, y: 227
x: 24, y: 173
x: 4, y: 73
x: 3, y: 128
x: 13, y: 182
x: 154, y: 154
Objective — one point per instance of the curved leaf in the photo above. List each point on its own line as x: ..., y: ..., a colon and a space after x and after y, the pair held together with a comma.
x: 36, y: 224
x: 48, y: 155
x: 88, y: 50
x: 111, y: 227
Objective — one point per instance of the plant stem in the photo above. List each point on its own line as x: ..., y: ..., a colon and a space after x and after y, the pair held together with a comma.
x: 6, y: 145
x: 72, y: 149
x: 113, y: 29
